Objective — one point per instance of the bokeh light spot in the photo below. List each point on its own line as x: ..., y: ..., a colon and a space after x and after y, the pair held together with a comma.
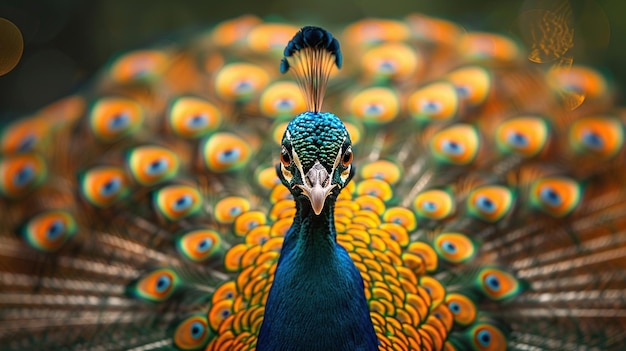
x: 11, y: 46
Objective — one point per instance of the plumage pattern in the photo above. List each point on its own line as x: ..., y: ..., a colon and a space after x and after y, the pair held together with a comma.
x: 479, y: 198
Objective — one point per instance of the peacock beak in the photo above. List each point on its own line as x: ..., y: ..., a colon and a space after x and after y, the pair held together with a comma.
x: 317, y: 185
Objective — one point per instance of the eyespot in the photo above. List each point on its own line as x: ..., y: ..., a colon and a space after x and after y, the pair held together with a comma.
x: 483, y: 337
x: 598, y: 136
x: 229, y: 208
x: 278, y: 131
x: 371, y: 31
x: 142, y: 64
x: 192, y: 333
x: 226, y: 291
x: 346, y: 159
x: 268, y: 37
x: 372, y: 203
x: 104, y: 186
x: 258, y: 235
x: 486, y: 46
x: 282, y: 209
x: 156, y: 286
x: 427, y: 254
x: 249, y: 220
x: 497, y: 284
x: 224, y: 152
x: 277, y: 229
x: 441, y: 314
x: 462, y: 308
x: 21, y: 173
x: 375, y: 187
x: 175, y: 202
x: 354, y: 131
x: 219, y: 312
x: 434, y: 30
x: 240, y: 81
x: 434, y: 204
x: 266, y: 177
x: 579, y: 80
x: 457, y: 144
x: 191, y: 117
x: 492, y: 282
x: 233, y: 257
x: 111, y: 119
x: 282, y: 99
x: 555, y: 196
x: 434, y: 288
x: 490, y: 203
x: 230, y: 32
x: 48, y: 231
x: 486, y: 337
x: 199, y: 245
x: 285, y: 157
x: 434, y: 102
x: 397, y: 232
x: 454, y: 247
x: 402, y: 216
x: 392, y: 59
x: 452, y: 147
x: 375, y: 105
x: 381, y: 169
x: 150, y: 165
x: 23, y: 135
x: 525, y: 136
x: 472, y: 83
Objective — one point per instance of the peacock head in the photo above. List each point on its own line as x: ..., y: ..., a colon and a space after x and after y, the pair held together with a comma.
x: 316, y: 158
x: 316, y: 155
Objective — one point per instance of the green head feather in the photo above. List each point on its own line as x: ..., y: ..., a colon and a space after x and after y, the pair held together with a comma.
x: 316, y: 157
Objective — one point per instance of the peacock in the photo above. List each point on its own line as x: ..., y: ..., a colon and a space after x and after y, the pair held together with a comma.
x: 394, y: 184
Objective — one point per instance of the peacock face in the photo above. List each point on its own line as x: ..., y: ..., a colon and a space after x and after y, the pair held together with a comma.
x: 316, y: 158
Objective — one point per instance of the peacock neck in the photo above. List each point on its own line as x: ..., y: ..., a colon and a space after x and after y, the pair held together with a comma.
x: 317, y: 299
x: 314, y: 234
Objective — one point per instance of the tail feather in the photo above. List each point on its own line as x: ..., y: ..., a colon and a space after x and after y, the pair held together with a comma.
x: 487, y: 209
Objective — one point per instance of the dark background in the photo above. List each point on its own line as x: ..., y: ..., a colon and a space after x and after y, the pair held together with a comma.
x: 66, y: 41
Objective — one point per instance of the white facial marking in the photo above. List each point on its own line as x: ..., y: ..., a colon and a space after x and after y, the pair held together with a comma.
x: 345, y: 174
x: 288, y: 176
x: 337, y: 160
x: 296, y: 160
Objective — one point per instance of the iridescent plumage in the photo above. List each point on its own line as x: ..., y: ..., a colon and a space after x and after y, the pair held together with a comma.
x: 444, y: 195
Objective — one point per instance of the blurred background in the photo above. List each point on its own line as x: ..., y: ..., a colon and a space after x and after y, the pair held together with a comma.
x: 66, y: 41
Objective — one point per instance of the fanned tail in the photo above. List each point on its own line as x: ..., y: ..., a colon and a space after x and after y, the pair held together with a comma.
x: 487, y: 211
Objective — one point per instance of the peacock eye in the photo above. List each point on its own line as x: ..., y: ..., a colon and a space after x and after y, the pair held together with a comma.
x: 346, y: 159
x: 285, y: 157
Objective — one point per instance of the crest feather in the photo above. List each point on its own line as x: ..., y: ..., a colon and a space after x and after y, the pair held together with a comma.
x: 310, y: 55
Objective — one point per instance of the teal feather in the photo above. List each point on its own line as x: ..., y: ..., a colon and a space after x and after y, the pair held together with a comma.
x: 453, y: 197
x: 316, y: 284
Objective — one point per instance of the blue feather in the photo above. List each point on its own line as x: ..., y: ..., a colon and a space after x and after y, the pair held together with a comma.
x: 316, y: 301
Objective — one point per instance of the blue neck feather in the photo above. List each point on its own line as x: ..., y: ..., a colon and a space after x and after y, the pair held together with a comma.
x: 316, y: 301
